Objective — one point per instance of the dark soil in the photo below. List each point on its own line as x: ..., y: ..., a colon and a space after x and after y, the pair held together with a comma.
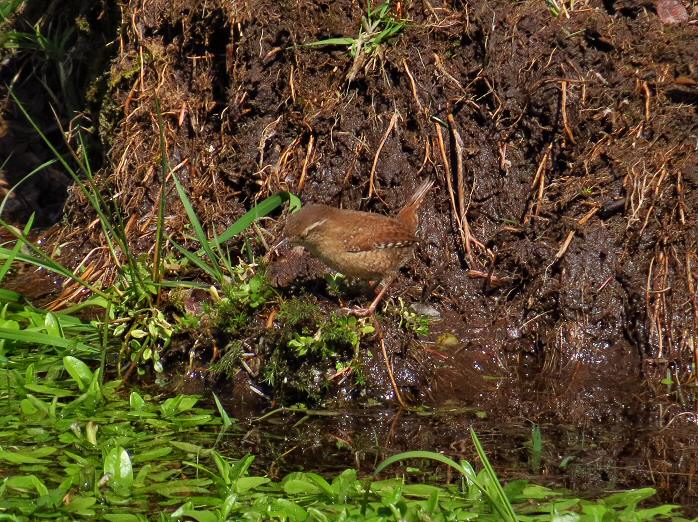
x: 566, y: 143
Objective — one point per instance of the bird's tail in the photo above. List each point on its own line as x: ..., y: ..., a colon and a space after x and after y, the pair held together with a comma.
x: 408, y: 214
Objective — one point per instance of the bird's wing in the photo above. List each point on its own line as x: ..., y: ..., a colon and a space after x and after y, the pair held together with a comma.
x: 372, y: 232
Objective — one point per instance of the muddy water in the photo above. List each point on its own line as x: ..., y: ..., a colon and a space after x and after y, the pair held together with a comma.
x: 602, y: 429
x: 595, y: 438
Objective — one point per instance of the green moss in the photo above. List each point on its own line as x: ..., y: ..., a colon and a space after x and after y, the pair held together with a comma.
x: 177, y: 297
x: 309, y: 348
x: 346, y: 331
x: 299, y: 312
x: 229, y: 363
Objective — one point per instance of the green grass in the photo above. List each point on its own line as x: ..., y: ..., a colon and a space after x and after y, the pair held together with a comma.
x: 378, y: 28
x: 132, y: 314
x: 9, y: 8
x: 143, y: 308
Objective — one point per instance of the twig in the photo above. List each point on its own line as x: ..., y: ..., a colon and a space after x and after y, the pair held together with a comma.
x: 662, y: 175
x: 648, y: 97
x: 693, y: 338
x: 268, y: 132
x: 541, y: 191
x: 564, y: 246
x: 449, y: 187
x: 570, y: 236
x: 442, y: 70
x: 504, y: 163
x: 682, y: 199
x: 460, y: 177
x: 350, y: 170
x: 491, y: 280
x: 413, y: 85
x: 388, y: 366
x: 461, y: 211
x: 292, y: 84
x: 565, y: 122
x: 427, y: 154
x: 372, y: 177
x: 304, y: 170
x: 538, y: 181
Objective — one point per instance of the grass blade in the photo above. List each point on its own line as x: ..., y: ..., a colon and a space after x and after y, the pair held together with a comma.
x: 43, y: 339
x: 499, y: 500
x: 419, y: 455
x: 25, y: 178
x: 201, y: 236
x: 258, y: 211
x: 343, y: 40
x: 159, y: 233
x: 197, y: 261
x: 15, y: 250
x: 41, y: 260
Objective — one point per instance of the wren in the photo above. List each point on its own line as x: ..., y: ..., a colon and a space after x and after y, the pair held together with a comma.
x: 358, y: 244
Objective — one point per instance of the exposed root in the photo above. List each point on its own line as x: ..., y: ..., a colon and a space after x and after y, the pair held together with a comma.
x: 570, y: 235
x: 308, y: 155
x: 372, y: 189
x: 563, y: 103
x: 414, y: 88
x: 538, y: 187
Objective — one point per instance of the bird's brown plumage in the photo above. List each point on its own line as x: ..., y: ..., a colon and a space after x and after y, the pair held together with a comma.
x: 358, y: 244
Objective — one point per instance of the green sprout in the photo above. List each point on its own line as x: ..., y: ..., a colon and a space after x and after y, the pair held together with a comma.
x: 377, y: 28
x: 411, y: 320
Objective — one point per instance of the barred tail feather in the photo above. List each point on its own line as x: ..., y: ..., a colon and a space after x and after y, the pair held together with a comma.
x: 408, y: 214
x: 419, y: 194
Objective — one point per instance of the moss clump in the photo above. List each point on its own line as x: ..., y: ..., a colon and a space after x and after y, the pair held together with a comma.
x: 345, y: 333
x: 299, y: 313
x: 228, y: 316
x: 309, y: 349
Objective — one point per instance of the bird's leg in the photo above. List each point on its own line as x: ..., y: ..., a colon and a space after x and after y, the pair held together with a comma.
x: 365, y: 312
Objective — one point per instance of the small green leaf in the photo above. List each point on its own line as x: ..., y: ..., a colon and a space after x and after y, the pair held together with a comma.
x: 136, y: 401
x: 245, y: 484
x: 118, y: 466
x: 187, y: 447
x: 49, y: 390
x: 79, y: 371
x: 27, y: 483
x: 187, y: 511
x: 137, y: 333
x: 177, y: 405
x: 52, y: 325
x: 330, y: 42
x: 221, y: 411
x: 27, y: 457
x: 124, y: 517
x: 81, y: 506
x: 152, y: 454
x: 300, y: 487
